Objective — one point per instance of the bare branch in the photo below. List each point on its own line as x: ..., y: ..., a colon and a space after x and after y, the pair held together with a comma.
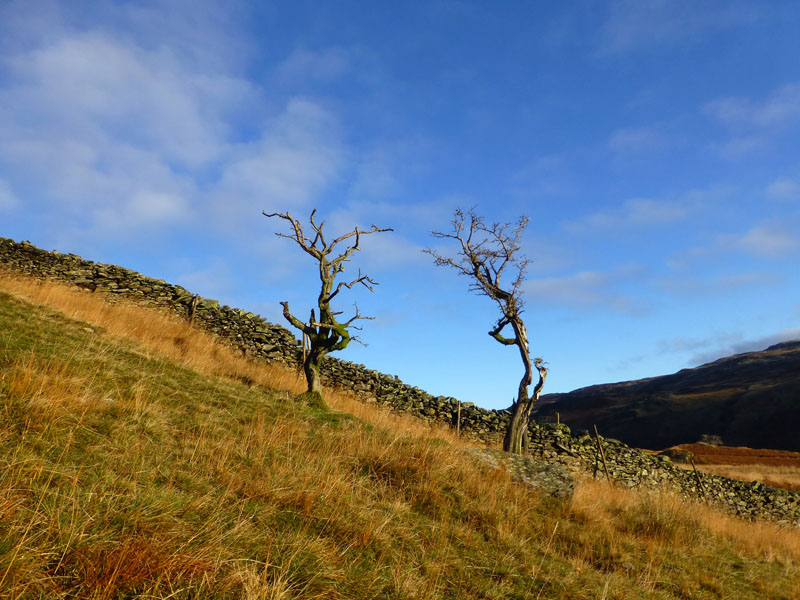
x: 364, y: 280
x: 295, y: 321
x: 496, y: 333
x: 307, y: 245
x: 486, y: 252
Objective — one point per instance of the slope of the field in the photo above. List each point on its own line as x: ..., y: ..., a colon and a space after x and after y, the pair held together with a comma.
x: 138, y: 460
x: 750, y: 399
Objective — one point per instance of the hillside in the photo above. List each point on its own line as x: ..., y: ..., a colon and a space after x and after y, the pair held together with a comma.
x: 140, y: 460
x: 750, y: 399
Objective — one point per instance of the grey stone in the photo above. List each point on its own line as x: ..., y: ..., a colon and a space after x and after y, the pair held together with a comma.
x: 548, y: 478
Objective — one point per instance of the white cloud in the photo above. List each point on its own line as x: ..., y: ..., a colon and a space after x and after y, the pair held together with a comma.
x: 638, y: 24
x: 768, y: 240
x: 720, y: 284
x: 109, y: 130
x: 94, y: 87
x: 389, y: 251
x: 740, y: 347
x: 375, y: 177
x: 306, y: 65
x: 635, y: 213
x: 297, y: 155
x: 784, y: 188
x: 144, y: 208
x: 8, y: 200
x: 546, y: 175
x: 585, y: 289
x: 212, y: 282
x: 771, y: 239
x: 680, y: 345
x: 753, y: 124
x: 115, y: 131
x: 636, y: 139
x: 779, y: 109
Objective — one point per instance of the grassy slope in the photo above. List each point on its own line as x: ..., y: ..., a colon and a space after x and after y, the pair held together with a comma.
x: 127, y: 474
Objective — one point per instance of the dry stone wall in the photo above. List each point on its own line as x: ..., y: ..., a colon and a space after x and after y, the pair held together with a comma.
x: 259, y: 339
x: 633, y: 468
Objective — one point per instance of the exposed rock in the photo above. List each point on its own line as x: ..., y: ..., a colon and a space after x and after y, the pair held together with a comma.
x: 548, y: 478
x: 678, y: 455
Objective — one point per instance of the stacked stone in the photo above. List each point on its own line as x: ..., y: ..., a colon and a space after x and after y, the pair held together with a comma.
x: 633, y: 468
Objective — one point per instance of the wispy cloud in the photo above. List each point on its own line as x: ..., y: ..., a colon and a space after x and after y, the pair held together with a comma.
x: 769, y: 239
x: 784, y: 188
x: 778, y: 109
x: 745, y: 345
x: 104, y: 133
x: 386, y: 166
x: 305, y: 65
x: 687, y: 344
x: 8, y: 200
x: 546, y: 175
x: 752, y: 124
x: 136, y: 123
x: 634, y: 213
x: 637, y: 139
x: 213, y: 281
x: 720, y: 284
x: 586, y: 290
x: 295, y: 157
x: 146, y: 98
x: 638, y: 24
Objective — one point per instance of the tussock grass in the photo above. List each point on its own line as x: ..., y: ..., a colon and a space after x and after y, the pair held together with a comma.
x: 163, y: 334
x: 135, y: 467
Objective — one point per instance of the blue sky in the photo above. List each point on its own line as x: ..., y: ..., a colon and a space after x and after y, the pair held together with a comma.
x: 654, y: 144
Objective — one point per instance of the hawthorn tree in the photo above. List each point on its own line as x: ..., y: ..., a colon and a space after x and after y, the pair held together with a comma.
x: 325, y: 334
x: 487, y: 254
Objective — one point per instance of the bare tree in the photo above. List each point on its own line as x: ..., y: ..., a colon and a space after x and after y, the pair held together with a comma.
x: 487, y: 253
x: 325, y: 334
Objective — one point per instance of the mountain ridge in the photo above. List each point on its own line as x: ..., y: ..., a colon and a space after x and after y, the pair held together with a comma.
x: 748, y: 399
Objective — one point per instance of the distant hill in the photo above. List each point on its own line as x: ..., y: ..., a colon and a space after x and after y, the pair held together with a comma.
x: 750, y: 399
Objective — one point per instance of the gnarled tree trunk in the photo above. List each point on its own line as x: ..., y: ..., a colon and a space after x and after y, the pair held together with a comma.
x: 516, y: 438
x: 485, y: 253
x: 326, y: 335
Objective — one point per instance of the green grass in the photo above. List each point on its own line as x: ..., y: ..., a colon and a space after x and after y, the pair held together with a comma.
x: 127, y: 475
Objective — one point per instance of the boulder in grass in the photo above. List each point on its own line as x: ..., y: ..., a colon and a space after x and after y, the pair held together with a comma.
x: 551, y: 479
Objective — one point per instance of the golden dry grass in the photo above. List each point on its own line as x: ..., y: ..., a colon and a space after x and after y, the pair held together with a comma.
x: 166, y: 335
x: 667, y: 512
x: 127, y: 475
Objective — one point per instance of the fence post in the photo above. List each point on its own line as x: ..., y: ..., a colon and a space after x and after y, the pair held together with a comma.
x: 193, y: 308
x: 699, y: 481
x: 602, y: 453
